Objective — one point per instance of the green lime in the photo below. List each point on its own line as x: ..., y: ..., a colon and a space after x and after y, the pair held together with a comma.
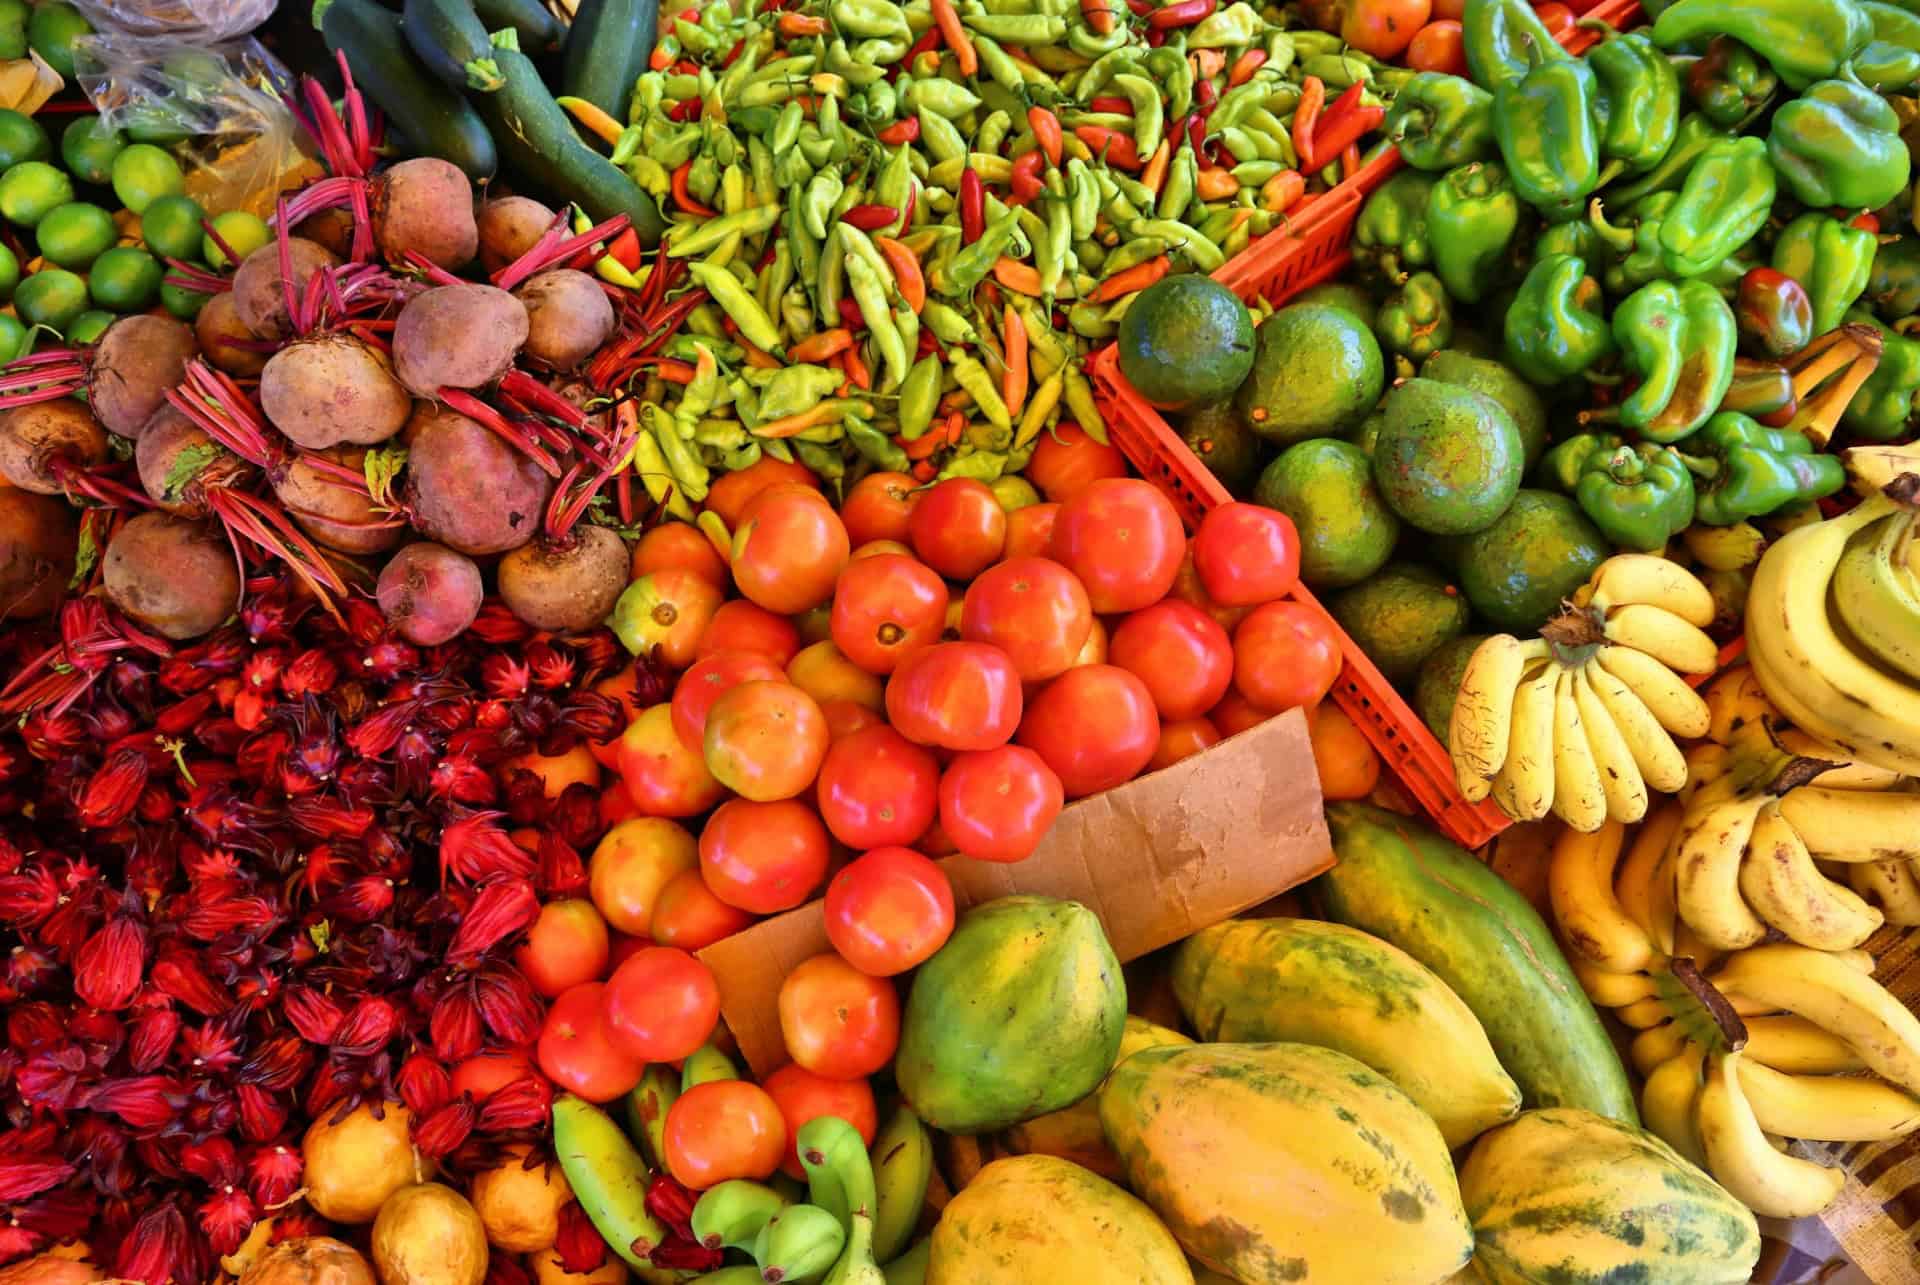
x: 1448, y: 459
x: 1230, y: 452
x: 1539, y: 551
x: 184, y: 304
x: 1317, y: 371
x: 51, y: 297
x: 21, y: 139
x: 143, y: 173
x: 13, y: 338
x: 51, y: 31
x: 89, y: 326
x: 125, y: 279
x: 13, y: 29
x: 9, y: 272
x: 1326, y: 486
x: 28, y: 190
x: 171, y: 227
x: 1013, y: 491
x: 75, y: 234
x: 1186, y: 341
x: 88, y: 149
x: 1400, y: 617
x: 243, y: 231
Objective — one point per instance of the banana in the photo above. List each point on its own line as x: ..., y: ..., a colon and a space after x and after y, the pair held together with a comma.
x: 1798, y: 1047
x: 1725, y: 548
x: 731, y: 1214
x: 1687, y: 943
x: 1611, y: 990
x: 798, y: 1242
x: 1730, y: 590
x: 704, y: 1065
x: 1832, y: 993
x: 1661, y: 764
x: 1712, y: 840
x: 856, y: 1265
x: 910, y: 1268
x: 1655, y: 1045
x: 1644, y: 1014
x: 1675, y: 643
x: 1861, y: 961
x: 1579, y: 799
x: 1873, y: 467
x: 647, y: 1107
x: 1483, y: 712
x: 1828, y: 1108
x: 1875, y: 595
x: 1593, y: 925
x: 839, y: 1171
x: 1893, y: 886
x: 1741, y: 713
x: 902, y: 1156
x: 1677, y: 706
x: 1620, y: 779
x: 1524, y: 785
x: 1784, y: 887
x: 1855, y: 825
x: 1846, y: 776
x: 1667, y: 1102
x: 1741, y: 1159
x: 1706, y: 763
x: 1641, y: 579
x: 1644, y: 884
x: 1808, y: 670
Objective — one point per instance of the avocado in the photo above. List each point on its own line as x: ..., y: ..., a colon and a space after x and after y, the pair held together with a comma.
x: 1215, y: 434
x: 1346, y: 530
x: 1400, y: 617
x: 1517, y: 571
x: 1317, y: 372
x: 1522, y: 401
x: 1343, y: 295
x: 1448, y: 459
x: 1367, y: 436
x: 1186, y: 341
x: 1439, y: 682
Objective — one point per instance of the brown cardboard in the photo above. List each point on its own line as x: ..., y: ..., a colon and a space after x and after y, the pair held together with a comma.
x: 1157, y: 859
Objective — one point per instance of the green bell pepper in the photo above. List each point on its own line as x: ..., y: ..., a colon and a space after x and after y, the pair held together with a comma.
x: 1747, y: 470
x: 1472, y: 215
x: 1839, y: 144
x: 1830, y: 260
x: 1803, y: 41
x: 1416, y: 320
x: 1729, y: 83
x: 1639, y: 496
x: 1891, y: 60
x: 1679, y: 341
x: 1639, y: 100
x: 1759, y: 388
x: 1695, y: 135
x: 1887, y: 405
x: 1503, y: 39
x: 1547, y: 123
x: 1576, y: 238
x: 1555, y: 328
x: 1726, y: 199
x: 1632, y: 250
x: 1560, y: 468
x: 1440, y: 121
x: 1390, y: 236
x: 1893, y: 283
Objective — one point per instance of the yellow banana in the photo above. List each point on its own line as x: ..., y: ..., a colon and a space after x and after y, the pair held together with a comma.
x: 1611, y: 990
x: 1799, y: 1047
x: 1675, y: 643
x: 1784, y: 887
x: 1741, y: 1159
x: 1725, y: 548
x: 1860, y: 960
x: 1855, y: 825
x: 1875, y: 594
x: 1678, y: 707
x: 1742, y: 714
x: 1893, y: 886
x: 1668, y: 1099
x: 1620, y: 779
x: 1483, y: 712
x: 1687, y: 943
x: 1655, y: 1045
x: 1644, y: 1014
x: 1662, y: 766
x: 1641, y: 579
x: 1873, y: 467
x: 1524, y: 785
x: 1712, y: 839
x: 1847, y: 776
x: 1644, y: 884
x: 1593, y: 925
x: 1832, y: 993
x: 1828, y: 1108
x: 1578, y: 797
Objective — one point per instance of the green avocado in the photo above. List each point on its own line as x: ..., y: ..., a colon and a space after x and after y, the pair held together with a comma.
x: 1186, y: 341
x: 1522, y: 401
x: 1517, y: 571
x: 1439, y: 682
x: 1317, y: 372
x: 1215, y: 434
x: 1448, y: 459
x: 1346, y: 530
x: 1400, y: 617
x: 1343, y: 295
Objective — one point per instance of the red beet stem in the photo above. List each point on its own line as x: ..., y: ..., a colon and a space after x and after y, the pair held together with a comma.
x: 515, y: 435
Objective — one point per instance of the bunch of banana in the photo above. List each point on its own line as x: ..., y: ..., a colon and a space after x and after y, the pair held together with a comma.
x: 1581, y: 720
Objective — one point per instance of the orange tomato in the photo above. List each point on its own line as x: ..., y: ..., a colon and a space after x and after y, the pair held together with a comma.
x: 723, y: 1129
x: 844, y: 718
x: 958, y: 528
x: 789, y: 549
x: 1384, y: 28
x: 764, y: 740
x: 567, y: 945
x: 889, y: 911
x: 1030, y: 530
x: 1181, y: 740
x: 825, y: 673
x: 1235, y: 714
x: 885, y: 607
x: 1094, y: 650
x: 739, y: 625
x: 663, y: 614
x: 556, y: 771
x: 631, y: 864
x: 763, y: 857
x: 878, y: 506
x: 661, y: 1004
x: 1095, y: 726
x: 689, y: 916
x: 679, y: 546
x: 1066, y: 459
x: 804, y: 1096
x: 1033, y: 609
x: 664, y: 777
x: 731, y: 493
x: 485, y: 1074
x: 837, y: 1021
x: 710, y: 678
x: 1349, y: 767
x: 1440, y: 47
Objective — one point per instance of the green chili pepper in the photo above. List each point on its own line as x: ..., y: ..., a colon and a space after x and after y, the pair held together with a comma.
x: 1503, y: 40
x: 1170, y: 67
x: 1390, y: 235
x: 1804, y: 42
x: 1230, y: 28
x: 947, y: 324
x: 1555, y: 328
x: 972, y: 264
x: 1415, y: 320
x: 870, y: 292
x: 1440, y: 121
x: 755, y: 325
x: 1639, y: 496
x: 1830, y: 260
x: 939, y: 137
x: 1679, y: 340
x: 1726, y: 199
x: 943, y: 96
x: 795, y: 311
x: 1472, y: 216
x: 1839, y: 144
x: 704, y: 236
x: 1079, y: 398
x: 871, y: 18
x: 690, y: 474
x: 1749, y: 471
x: 1149, y: 122
x: 982, y: 387
x: 797, y: 388
x: 920, y: 396
x: 876, y: 447
x: 1018, y: 29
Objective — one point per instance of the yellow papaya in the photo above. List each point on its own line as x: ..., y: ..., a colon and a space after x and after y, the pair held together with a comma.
x: 1073, y: 1133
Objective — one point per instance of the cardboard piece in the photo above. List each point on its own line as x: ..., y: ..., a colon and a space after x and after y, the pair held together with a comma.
x: 1158, y: 859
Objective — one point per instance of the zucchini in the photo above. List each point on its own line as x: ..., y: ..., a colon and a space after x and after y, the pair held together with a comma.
x: 436, y: 120
x: 451, y: 43
x: 540, y: 148
x: 606, y: 50
x: 539, y: 31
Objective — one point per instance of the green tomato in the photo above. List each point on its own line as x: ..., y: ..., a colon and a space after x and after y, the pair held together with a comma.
x: 143, y: 173
x: 75, y: 234
x: 171, y: 226
x: 13, y: 338
x: 51, y: 297
x: 22, y: 139
x: 13, y: 28
x: 125, y: 279
x: 184, y: 304
x: 9, y: 273
x: 30, y: 189
x: 88, y: 327
x: 51, y: 31
x: 88, y: 150
x: 244, y: 232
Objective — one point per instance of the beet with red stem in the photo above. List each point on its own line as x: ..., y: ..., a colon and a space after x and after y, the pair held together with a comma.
x: 509, y: 227
x: 174, y: 576
x: 342, y: 518
x: 462, y: 336
x: 568, y: 579
x: 37, y: 541
x: 468, y: 488
x: 43, y: 444
x: 178, y: 463
x: 261, y: 295
x: 568, y: 317
x: 429, y: 593
x: 225, y: 340
x: 130, y: 370
x: 423, y: 205
x: 330, y: 386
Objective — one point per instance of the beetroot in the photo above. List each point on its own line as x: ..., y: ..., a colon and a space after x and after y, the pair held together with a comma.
x: 176, y: 577
x: 466, y: 487
x: 259, y: 290
x: 567, y: 584
x: 461, y: 336
x: 42, y: 441
x: 568, y: 317
x: 37, y: 540
x: 425, y: 205
x: 429, y: 593
x: 224, y: 339
x: 130, y: 370
x: 177, y: 462
x: 509, y: 227
x: 343, y: 518
x: 333, y: 389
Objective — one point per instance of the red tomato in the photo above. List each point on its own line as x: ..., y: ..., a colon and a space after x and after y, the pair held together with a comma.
x: 623, y: 947
x: 567, y: 945
x: 1383, y: 28
x: 878, y: 506
x: 1285, y: 654
x: 661, y: 1005
x: 624, y: 686
x: 763, y: 857
x: 885, y: 607
x: 723, y: 1129
x: 682, y: 545
x: 788, y: 550
x: 663, y: 777
x: 1033, y: 609
x: 1187, y: 588
x: 631, y: 864
x: 875, y: 548
x: 732, y: 492
x: 1095, y: 726
x: 888, y: 911
x: 1094, y: 651
x: 710, y: 678
x: 878, y: 788
x: 1181, y: 740
x: 958, y: 528
x: 844, y: 718
x: 803, y: 1096
x: 1066, y: 459
x: 1439, y: 46
x: 1452, y: 10
x: 1183, y: 656
x: 935, y: 842
x: 687, y: 914
x: 663, y: 614
x: 958, y: 696
x: 1030, y: 530
x: 616, y: 805
x: 485, y: 1074
x: 1123, y: 539
x: 577, y: 1053
x: 739, y: 625
x: 764, y: 740
x: 1246, y: 554
x: 996, y: 804
x: 839, y: 1022
x: 1235, y: 714
x: 824, y: 672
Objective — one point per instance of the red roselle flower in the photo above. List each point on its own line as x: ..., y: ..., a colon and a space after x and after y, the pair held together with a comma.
x: 525, y: 1104
x: 113, y: 790
x: 562, y: 872
x: 227, y: 1218
x: 313, y: 1015
x: 311, y: 673
x: 682, y: 1253
x: 22, y: 1177
x: 262, y: 1115
x: 671, y: 1203
x: 454, y: 1025
x: 108, y: 967
x: 424, y: 1084
x: 473, y: 846
x: 445, y: 1129
x: 508, y: 1005
x: 155, y: 1250
x: 367, y: 1028
x: 141, y: 1101
x: 152, y: 1039
x: 579, y: 1245
x: 273, y: 1175
x: 178, y: 975
x: 503, y: 907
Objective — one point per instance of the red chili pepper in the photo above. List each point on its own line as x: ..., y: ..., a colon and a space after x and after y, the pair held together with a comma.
x: 683, y: 198
x: 1866, y: 222
x: 1245, y: 65
x: 927, y: 43
x: 928, y: 345
x: 1141, y: 8
x: 766, y: 257
x: 1156, y: 36
x: 625, y: 250
x: 1197, y: 132
x: 1306, y: 118
x: 686, y: 109
x: 733, y: 53
x: 850, y: 314
x: 870, y: 218
x: 1118, y: 147
x: 1025, y: 181
x: 1206, y: 96
x: 1111, y: 103
x: 913, y: 199
x: 901, y: 131
x: 1341, y: 125
x: 1183, y: 14
x: 687, y: 67
x: 973, y: 206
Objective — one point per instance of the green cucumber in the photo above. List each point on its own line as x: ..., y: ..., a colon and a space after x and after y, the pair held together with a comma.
x: 539, y: 31
x: 1397, y: 879
x: 606, y: 50
x: 435, y: 120
x: 451, y: 43
x: 539, y: 146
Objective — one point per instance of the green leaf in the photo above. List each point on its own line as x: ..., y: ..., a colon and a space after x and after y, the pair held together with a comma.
x: 186, y: 466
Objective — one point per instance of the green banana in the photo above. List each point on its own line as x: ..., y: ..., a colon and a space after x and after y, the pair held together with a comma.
x: 911, y: 1267
x: 647, y: 1107
x: 798, y: 1244
x: 856, y: 1265
x: 839, y: 1173
x: 902, y: 1158
x: 729, y: 1276
x: 731, y: 1214
x: 608, y: 1177
x: 1876, y: 594
x: 706, y: 1064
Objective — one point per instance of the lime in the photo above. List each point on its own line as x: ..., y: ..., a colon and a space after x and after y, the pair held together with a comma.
x: 21, y: 139
x: 9, y: 272
x: 75, y: 234
x: 171, y: 226
x: 1317, y: 372
x: 51, y: 297
x: 243, y: 231
x: 1186, y: 341
x: 125, y: 279
x: 1326, y: 486
x: 88, y: 149
x: 89, y: 326
x: 184, y: 304
x: 1013, y: 491
x: 13, y: 29
x: 13, y: 338
x: 51, y: 31
x: 143, y: 173
x: 28, y: 190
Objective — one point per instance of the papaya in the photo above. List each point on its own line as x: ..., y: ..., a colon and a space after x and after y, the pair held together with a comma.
x: 1577, y: 1199
x: 1019, y: 1014
x: 1258, y: 980
x: 1287, y: 1162
x: 1073, y: 1133
x: 1040, y: 1220
x: 1396, y: 878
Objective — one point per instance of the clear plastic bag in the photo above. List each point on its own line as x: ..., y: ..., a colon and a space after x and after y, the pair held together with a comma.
x: 203, y: 22
x: 221, y: 109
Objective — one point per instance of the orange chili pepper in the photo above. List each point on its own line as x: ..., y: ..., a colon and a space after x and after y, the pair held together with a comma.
x: 948, y: 20
x: 756, y: 358
x: 1118, y: 147
x: 924, y: 471
x: 956, y: 425
x: 1208, y: 63
x: 1013, y: 384
x: 1216, y: 185
x: 799, y: 421
x: 1100, y: 15
x: 660, y: 59
x: 674, y: 372
x: 1283, y: 191
x: 906, y: 271
x: 1244, y: 66
x: 1046, y: 131
x: 1155, y: 175
x: 819, y: 347
x: 924, y: 445
x: 1019, y: 277
x: 683, y: 198
x: 802, y: 24
x: 1306, y: 117
x: 1350, y: 161
x: 857, y: 373
x: 1126, y: 281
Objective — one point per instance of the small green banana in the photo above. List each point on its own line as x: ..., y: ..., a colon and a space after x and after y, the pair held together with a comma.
x: 608, y: 1177
x: 856, y: 1265
x: 705, y: 1064
x: 731, y: 1214
x: 902, y: 1158
x: 798, y: 1244
x: 647, y: 1107
x: 839, y: 1173
x: 911, y: 1267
